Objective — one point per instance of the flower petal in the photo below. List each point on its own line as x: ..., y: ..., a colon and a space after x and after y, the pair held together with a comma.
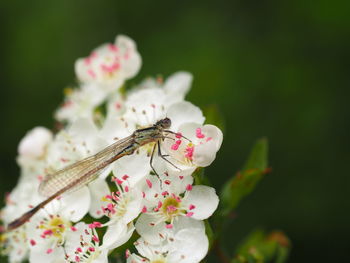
x: 183, y: 112
x: 75, y: 205
x: 204, y: 199
x: 98, y: 189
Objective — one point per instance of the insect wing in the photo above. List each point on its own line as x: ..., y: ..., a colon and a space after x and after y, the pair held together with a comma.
x: 82, y: 172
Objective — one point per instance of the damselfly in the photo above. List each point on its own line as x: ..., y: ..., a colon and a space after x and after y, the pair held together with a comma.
x: 78, y: 174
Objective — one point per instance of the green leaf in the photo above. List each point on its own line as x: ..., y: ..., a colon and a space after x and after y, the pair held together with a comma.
x: 200, y: 178
x: 244, y: 182
x: 262, y: 247
x: 258, y: 156
x: 209, y: 232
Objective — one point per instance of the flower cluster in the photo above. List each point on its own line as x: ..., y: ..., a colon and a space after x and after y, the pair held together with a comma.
x: 158, y: 205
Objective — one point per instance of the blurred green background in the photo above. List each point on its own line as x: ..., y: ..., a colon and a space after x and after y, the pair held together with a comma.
x: 275, y: 68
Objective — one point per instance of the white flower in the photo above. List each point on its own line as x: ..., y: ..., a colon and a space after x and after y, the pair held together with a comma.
x: 197, y: 149
x: 80, y: 103
x: 32, y: 150
x: 165, y: 208
x: 122, y: 207
x: 83, y: 245
x: 110, y: 64
x: 149, y: 102
x: 14, y: 245
x: 34, y: 144
x: 185, y: 243
x: 21, y: 199
x: 48, y: 228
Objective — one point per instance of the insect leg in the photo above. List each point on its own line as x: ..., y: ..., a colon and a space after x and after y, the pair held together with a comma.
x: 178, y: 134
x: 163, y: 156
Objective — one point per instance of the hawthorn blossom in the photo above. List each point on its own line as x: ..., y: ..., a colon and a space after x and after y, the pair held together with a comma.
x: 32, y: 151
x: 47, y: 230
x: 83, y: 244
x: 121, y: 207
x: 80, y: 103
x: 185, y: 243
x: 109, y: 65
x: 164, y: 207
x: 151, y: 191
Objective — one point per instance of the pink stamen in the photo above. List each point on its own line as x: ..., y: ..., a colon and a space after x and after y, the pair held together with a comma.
x: 77, y: 259
x: 108, y: 197
x: 199, y: 133
x: 149, y: 183
x: 113, y: 48
x: 209, y: 138
x: 73, y: 228
x: 110, y: 69
x: 91, y: 73
x: 118, y: 105
x: 144, y: 209
x: 191, y: 207
x: 189, y: 152
x: 32, y: 242
x: 181, y: 177
x: 79, y: 250
x: 125, y: 177
x: 189, y: 187
x: 126, y: 188
x: 171, y: 208
x: 159, y: 204
x: 118, y: 181
x: 48, y: 232
x: 167, y: 182
x: 143, y: 194
x: 189, y: 214
x: 95, y: 238
x: 165, y: 193
x: 178, y: 135
x: 49, y: 251
x: 97, y: 224
x: 169, y: 226
x: 175, y: 146
x: 91, y: 249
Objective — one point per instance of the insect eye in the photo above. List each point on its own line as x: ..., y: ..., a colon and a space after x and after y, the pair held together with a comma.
x: 166, y: 123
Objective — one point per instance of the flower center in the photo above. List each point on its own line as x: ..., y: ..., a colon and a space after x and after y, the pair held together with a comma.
x: 170, y: 207
x: 55, y: 226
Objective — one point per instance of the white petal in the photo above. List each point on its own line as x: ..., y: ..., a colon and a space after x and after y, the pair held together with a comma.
x: 190, y: 246
x: 34, y: 142
x: 83, y: 128
x: 204, y: 154
x: 186, y: 222
x: 183, y: 112
x: 116, y: 235
x: 41, y: 255
x: 133, y: 62
x: 98, y: 189
x: 178, y: 84
x: 75, y: 205
x: 73, y: 238
x: 204, y: 199
x: 136, y: 166
x: 150, y: 232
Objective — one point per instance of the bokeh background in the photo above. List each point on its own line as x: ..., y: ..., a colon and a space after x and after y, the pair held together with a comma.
x: 275, y: 68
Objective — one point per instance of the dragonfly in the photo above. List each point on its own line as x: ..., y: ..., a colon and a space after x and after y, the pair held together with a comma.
x: 78, y: 174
